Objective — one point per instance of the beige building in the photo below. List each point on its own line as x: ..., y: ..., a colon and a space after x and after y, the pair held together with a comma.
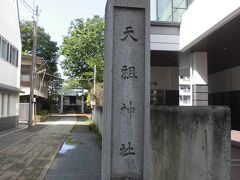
x: 42, y: 79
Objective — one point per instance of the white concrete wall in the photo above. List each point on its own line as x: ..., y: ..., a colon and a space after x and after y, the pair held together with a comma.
x: 11, y: 109
x: 223, y: 81
x: 9, y: 21
x: 9, y: 74
x: 9, y: 29
x: 204, y: 17
x: 23, y: 112
x: 165, y: 77
x: 199, y: 67
x: 14, y: 105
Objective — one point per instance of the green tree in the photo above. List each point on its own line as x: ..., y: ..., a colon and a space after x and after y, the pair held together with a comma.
x: 55, y: 86
x: 82, y: 49
x: 70, y: 84
x: 45, y: 47
x: 97, y: 97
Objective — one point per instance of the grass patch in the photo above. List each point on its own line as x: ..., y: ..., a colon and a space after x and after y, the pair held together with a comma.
x: 70, y: 141
x: 43, y: 113
x: 93, y: 128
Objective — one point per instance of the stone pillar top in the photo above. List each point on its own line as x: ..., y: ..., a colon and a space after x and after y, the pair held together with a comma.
x: 130, y: 3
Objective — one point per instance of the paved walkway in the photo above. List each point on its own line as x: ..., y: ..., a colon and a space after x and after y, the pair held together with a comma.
x: 27, y: 154
x: 79, y: 157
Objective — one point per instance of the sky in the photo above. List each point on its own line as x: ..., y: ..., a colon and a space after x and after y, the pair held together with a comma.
x: 56, y: 15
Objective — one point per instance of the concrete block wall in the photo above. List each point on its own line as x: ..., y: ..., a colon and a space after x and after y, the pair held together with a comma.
x: 98, y: 117
x: 190, y: 143
x: 8, y: 122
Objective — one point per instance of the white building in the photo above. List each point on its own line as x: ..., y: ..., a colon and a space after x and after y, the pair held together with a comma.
x: 10, y: 52
x: 197, y: 40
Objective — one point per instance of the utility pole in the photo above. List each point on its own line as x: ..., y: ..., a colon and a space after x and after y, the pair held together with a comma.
x: 82, y: 108
x: 35, y: 18
x: 94, y: 92
x: 94, y: 79
x: 62, y: 100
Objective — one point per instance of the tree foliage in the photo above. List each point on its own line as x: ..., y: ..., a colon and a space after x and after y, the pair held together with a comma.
x: 97, y: 97
x: 54, y: 86
x: 70, y: 84
x: 45, y: 47
x: 83, y: 48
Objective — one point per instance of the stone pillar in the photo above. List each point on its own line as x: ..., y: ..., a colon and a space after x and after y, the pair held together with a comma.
x: 199, y: 76
x: 126, y: 90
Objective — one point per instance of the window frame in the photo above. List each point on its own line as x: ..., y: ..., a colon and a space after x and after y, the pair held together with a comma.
x: 173, y: 10
x: 10, y: 51
x: 2, y: 105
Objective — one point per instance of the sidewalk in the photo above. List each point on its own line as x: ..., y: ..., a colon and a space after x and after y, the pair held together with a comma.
x: 79, y: 157
x: 28, y: 153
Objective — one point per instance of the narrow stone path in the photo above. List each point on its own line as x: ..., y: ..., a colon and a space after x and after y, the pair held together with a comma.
x: 30, y: 158
x: 79, y: 157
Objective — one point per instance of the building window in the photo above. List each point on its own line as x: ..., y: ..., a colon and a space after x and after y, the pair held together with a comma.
x: 8, y: 104
x: 186, y: 99
x: 8, y: 52
x: 2, y: 105
x: 25, y: 70
x: 164, y: 10
x: 180, y: 99
x: 4, y: 49
x: 9, y: 47
x: 73, y: 100
x: 171, y: 10
x: 13, y: 56
x: 25, y: 73
x: 5, y: 105
x: 185, y: 88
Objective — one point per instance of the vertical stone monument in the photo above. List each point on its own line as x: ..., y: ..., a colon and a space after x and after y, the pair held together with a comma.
x: 126, y: 90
